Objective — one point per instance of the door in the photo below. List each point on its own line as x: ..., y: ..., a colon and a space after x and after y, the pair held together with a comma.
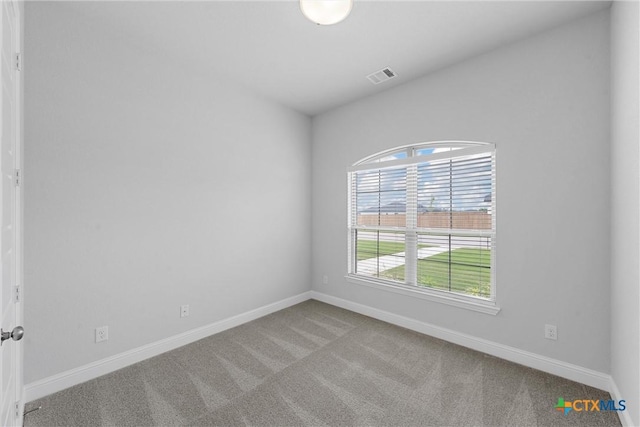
x: 10, y: 310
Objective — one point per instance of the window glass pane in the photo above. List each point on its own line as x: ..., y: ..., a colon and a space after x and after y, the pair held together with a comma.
x: 434, y: 194
x: 381, y: 197
x: 433, y: 268
x: 456, y: 193
x: 394, y: 156
x: 433, y: 150
x: 459, y: 264
x: 380, y: 254
x: 471, y: 189
x: 386, y: 157
x: 471, y: 268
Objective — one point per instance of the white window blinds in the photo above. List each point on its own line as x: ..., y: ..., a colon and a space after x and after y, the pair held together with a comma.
x: 424, y: 216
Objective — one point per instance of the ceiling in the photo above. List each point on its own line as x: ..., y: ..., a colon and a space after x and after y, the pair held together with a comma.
x: 269, y: 47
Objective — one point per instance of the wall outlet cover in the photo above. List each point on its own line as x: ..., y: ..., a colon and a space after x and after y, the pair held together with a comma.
x: 184, y: 310
x: 102, y: 333
x: 551, y: 332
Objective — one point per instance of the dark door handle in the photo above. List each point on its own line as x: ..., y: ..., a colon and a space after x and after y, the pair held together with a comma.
x: 16, y: 334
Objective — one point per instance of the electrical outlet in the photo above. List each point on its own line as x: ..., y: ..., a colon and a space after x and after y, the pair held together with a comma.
x: 102, y: 333
x: 184, y: 310
x: 325, y: 279
x: 551, y: 332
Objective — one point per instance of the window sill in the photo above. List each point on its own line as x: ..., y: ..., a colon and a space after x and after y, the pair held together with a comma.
x: 488, y: 307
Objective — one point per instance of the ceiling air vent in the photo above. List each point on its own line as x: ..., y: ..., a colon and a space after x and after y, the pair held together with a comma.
x: 381, y: 76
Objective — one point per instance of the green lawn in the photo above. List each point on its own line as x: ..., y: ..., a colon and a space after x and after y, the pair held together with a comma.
x: 470, y: 271
x: 374, y: 249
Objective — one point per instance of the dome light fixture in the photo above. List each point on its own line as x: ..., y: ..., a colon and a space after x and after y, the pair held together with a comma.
x: 326, y: 12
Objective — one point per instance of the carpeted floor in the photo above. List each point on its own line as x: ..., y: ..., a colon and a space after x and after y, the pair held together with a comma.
x: 314, y: 364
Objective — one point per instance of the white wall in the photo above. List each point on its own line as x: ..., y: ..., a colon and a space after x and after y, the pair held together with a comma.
x: 544, y: 101
x: 625, y: 204
x: 148, y: 186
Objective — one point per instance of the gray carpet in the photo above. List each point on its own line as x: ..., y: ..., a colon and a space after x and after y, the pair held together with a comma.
x: 315, y: 364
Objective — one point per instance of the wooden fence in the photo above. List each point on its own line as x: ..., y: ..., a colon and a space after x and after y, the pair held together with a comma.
x: 459, y: 220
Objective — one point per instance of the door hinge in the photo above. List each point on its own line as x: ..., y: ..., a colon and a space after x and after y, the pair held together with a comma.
x: 19, y: 61
x: 17, y: 177
x: 18, y: 409
x: 16, y: 293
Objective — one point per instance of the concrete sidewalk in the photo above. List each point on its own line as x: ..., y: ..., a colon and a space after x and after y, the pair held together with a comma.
x: 374, y: 266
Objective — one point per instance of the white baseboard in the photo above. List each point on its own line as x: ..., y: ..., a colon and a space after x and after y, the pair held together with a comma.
x: 546, y: 364
x: 96, y: 369
x: 625, y: 417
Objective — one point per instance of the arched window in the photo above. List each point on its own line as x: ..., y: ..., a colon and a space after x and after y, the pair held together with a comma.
x: 422, y: 218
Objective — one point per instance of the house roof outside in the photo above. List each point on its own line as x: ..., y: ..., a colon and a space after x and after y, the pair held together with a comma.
x: 392, y: 208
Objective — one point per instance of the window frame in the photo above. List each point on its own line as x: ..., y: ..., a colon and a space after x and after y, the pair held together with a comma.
x: 386, y: 160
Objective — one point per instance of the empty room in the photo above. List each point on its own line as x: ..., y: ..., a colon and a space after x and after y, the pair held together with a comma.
x: 320, y: 213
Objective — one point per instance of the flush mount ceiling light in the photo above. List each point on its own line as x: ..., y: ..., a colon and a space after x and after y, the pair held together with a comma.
x: 326, y: 12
